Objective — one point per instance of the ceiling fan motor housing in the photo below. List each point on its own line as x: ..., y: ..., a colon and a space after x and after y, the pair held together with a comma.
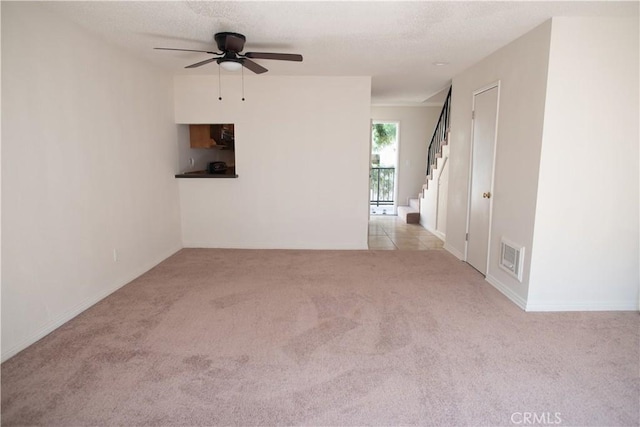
x: 230, y: 42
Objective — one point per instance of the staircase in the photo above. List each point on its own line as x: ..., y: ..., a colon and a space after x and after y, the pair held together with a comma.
x: 411, y: 213
x: 439, y: 139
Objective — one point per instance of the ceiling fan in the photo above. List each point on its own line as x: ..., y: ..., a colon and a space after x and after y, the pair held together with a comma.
x: 230, y: 58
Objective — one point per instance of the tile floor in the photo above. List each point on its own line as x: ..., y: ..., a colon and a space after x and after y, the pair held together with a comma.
x: 391, y: 233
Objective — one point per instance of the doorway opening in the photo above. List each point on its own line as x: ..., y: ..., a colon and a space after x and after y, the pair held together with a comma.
x: 383, y: 182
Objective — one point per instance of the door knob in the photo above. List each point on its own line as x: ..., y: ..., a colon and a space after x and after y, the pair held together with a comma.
x: 486, y: 195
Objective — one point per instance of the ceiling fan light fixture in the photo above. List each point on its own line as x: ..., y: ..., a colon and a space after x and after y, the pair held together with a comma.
x: 231, y: 64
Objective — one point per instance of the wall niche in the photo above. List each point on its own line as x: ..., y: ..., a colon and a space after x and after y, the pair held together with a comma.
x: 206, y: 150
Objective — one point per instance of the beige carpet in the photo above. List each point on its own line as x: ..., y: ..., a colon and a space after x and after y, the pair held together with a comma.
x: 247, y: 337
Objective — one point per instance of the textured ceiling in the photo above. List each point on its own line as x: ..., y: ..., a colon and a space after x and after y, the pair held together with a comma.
x: 397, y: 43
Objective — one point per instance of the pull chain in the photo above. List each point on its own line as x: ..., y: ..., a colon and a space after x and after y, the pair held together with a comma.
x: 219, y: 85
x: 243, y: 82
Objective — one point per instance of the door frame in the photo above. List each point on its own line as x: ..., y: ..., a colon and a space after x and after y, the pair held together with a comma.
x: 495, y: 84
x: 370, y: 167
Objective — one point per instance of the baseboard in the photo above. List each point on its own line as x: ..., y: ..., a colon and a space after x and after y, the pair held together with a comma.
x: 508, y: 292
x: 269, y: 246
x: 453, y: 251
x: 440, y: 235
x: 84, y: 305
x: 584, y: 306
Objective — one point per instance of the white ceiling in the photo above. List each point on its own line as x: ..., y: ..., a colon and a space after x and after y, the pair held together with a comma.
x: 397, y: 43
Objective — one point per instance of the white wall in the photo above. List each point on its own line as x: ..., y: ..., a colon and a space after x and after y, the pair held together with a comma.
x: 0, y: 178
x: 443, y: 192
x: 433, y: 205
x: 302, y: 156
x: 416, y: 129
x: 88, y: 156
x: 585, y: 252
x: 521, y: 68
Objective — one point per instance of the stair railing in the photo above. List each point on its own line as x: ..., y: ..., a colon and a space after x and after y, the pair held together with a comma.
x: 439, y: 135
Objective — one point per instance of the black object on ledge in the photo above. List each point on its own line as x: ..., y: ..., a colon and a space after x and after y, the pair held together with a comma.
x: 206, y: 174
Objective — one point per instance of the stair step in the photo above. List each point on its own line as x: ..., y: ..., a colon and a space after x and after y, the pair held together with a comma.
x: 409, y: 214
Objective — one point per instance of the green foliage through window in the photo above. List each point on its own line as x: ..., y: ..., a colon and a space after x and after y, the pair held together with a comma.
x: 384, y: 134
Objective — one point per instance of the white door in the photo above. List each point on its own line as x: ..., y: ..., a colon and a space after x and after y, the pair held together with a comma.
x: 485, y: 106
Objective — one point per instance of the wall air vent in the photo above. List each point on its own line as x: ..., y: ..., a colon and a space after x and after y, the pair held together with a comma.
x: 511, y: 256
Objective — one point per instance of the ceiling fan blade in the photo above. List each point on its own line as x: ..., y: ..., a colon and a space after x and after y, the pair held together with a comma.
x: 279, y: 56
x: 187, y: 50
x: 234, y: 43
x: 256, y: 68
x: 198, y: 64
